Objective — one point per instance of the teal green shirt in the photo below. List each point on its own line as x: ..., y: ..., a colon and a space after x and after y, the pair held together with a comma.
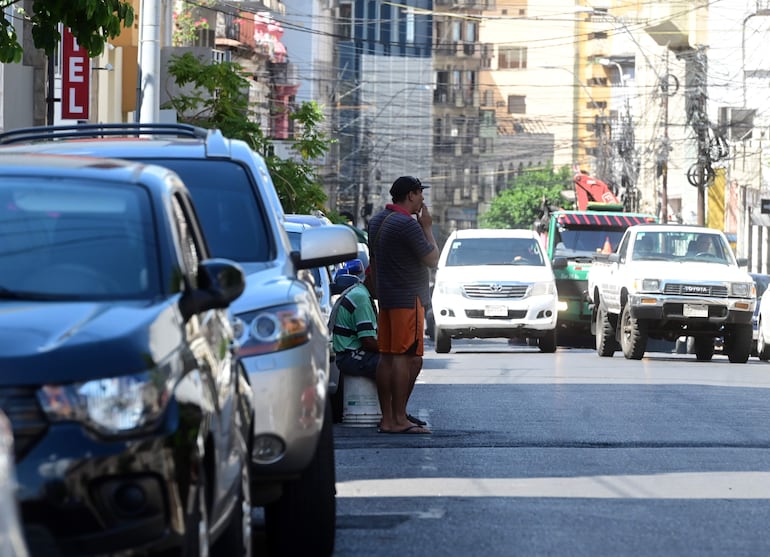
x: 356, y: 318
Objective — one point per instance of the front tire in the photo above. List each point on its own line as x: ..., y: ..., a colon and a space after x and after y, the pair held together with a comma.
x: 763, y: 349
x: 606, y: 345
x: 547, y: 342
x: 633, y: 335
x: 443, y: 342
x: 304, y: 520
x: 740, y: 344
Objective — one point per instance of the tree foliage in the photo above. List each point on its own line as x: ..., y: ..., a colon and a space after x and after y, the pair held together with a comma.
x: 216, y: 96
x: 521, y: 204
x: 92, y: 22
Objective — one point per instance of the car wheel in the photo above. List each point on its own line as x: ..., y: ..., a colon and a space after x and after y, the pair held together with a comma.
x: 303, y: 521
x: 740, y: 344
x: 703, y: 348
x: 605, y: 335
x: 547, y: 342
x: 633, y: 335
x: 443, y: 342
x: 196, y: 535
x: 763, y: 349
x: 236, y: 540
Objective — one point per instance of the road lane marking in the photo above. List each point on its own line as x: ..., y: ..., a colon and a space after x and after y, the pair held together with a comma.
x: 688, y: 485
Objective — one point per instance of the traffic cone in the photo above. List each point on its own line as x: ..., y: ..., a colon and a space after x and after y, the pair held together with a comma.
x: 607, y: 248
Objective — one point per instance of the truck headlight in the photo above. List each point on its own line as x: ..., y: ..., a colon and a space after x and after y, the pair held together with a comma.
x: 111, y: 406
x: 741, y: 289
x: 647, y: 285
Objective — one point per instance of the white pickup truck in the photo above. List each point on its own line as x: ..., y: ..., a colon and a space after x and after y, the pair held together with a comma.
x: 668, y: 280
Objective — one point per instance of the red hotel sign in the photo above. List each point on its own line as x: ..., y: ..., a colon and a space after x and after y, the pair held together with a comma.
x: 75, y: 79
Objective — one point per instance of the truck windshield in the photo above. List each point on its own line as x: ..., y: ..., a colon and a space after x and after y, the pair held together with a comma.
x: 586, y: 241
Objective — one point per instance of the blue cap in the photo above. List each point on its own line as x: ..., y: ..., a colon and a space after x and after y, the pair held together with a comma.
x: 354, y: 267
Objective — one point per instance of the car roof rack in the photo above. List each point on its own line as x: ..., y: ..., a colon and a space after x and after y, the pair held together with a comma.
x: 50, y: 133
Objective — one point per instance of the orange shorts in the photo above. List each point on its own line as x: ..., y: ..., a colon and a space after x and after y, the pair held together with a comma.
x: 402, y: 330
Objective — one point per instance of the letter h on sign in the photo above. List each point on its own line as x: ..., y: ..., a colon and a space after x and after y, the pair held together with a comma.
x: 75, y: 79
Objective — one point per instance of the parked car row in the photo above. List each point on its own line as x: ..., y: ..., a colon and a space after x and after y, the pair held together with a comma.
x: 164, y: 368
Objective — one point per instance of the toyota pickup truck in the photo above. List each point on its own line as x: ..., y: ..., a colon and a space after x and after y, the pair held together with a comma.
x: 665, y: 281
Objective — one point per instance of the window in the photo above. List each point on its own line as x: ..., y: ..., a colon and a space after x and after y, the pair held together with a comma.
x: 512, y: 57
x: 345, y: 21
x: 517, y: 104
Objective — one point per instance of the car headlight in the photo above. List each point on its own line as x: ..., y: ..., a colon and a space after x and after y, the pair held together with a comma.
x: 272, y: 330
x: 449, y: 288
x: 112, y: 406
x: 741, y: 289
x: 542, y: 288
x: 647, y: 285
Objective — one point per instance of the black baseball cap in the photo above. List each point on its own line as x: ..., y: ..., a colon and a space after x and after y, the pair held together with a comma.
x: 405, y: 184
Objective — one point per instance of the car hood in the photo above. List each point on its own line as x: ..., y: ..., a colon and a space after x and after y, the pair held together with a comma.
x: 52, y: 342
x: 495, y: 273
x: 267, y: 286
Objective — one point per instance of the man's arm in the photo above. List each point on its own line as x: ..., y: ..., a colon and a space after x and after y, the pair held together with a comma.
x: 426, y: 223
x: 369, y: 344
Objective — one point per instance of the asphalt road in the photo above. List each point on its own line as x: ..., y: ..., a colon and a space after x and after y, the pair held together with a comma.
x: 564, y: 454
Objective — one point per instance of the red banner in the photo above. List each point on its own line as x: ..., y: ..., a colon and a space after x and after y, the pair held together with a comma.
x: 76, y: 68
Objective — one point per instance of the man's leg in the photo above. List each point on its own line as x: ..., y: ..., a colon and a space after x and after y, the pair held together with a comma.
x: 383, y: 378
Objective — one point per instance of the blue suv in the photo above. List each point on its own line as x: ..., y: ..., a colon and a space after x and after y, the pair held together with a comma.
x: 130, y: 412
x: 282, y: 333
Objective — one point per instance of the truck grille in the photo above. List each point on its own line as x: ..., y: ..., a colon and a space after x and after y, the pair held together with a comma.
x: 495, y: 290
x: 717, y: 291
x: 27, y: 419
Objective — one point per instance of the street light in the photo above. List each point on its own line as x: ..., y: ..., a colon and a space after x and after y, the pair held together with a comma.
x: 760, y: 12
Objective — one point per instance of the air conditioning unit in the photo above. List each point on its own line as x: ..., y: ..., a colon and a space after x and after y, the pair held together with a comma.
x: 736, y: 124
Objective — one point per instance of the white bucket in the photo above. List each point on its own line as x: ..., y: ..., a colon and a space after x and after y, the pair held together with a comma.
x: 360, y: 403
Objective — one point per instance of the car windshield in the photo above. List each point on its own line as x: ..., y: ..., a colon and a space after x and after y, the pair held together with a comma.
x: 66, y: 239
x: 230, y: 211
x: 494, y: 251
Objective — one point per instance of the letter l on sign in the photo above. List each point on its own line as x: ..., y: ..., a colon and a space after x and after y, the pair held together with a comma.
x: 76, y: 71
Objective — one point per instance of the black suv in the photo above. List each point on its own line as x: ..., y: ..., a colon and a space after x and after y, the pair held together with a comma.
x: 130, y: 413
x: 282, y: 333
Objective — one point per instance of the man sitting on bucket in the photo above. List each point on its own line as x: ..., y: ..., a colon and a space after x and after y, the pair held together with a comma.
x: 353, y: 323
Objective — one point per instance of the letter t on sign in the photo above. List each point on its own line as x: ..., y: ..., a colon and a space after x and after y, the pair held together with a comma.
x: 75, y: 79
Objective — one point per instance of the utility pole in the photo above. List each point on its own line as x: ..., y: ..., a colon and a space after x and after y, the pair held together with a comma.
x: 148, y: 86
x: 665, y: 148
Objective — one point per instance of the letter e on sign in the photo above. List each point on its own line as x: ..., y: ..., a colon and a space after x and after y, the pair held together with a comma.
x: 76, y: 68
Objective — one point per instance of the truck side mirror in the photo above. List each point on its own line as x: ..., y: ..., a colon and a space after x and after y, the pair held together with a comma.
x: 613, y: 257
x: 559, y: 263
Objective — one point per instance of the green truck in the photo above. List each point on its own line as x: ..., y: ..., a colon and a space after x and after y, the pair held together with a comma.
x: 572, y: 238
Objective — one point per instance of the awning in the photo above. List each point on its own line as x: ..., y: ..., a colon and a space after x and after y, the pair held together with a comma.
x: 603, y: 219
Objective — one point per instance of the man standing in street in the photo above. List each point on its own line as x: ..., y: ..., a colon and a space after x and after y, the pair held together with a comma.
x: 402, y: 250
